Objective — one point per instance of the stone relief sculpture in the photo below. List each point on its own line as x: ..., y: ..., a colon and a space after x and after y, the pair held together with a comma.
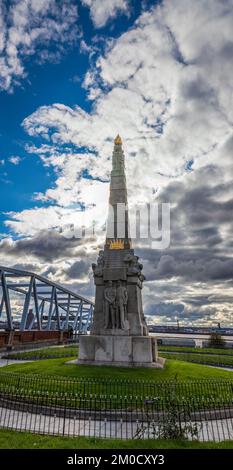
x: 100, y: 260
x: 115, y: 306
x: 110, y: 306
x: 98, y: 269
x: 134, y: 267
x: 121, y: 305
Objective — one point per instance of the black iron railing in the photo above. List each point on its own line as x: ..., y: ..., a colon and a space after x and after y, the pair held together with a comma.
x: 117, y: 408
x: 200, y: 389
x: 123, y: 417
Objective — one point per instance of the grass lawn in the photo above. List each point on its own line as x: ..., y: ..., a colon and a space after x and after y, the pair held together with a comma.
x: 210, y: 356
x: 23, y: 440
x: 45, y: 353
x: 50, y: 377
x: 173, y: 368
x: 212, y: 359
x: 225, y: 351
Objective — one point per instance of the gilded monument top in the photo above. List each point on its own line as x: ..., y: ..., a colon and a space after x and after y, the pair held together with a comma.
x: 118, y: 140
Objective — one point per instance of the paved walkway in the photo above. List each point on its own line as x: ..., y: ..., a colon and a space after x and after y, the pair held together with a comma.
x: 230, y: 369
x: 24, y: 349
x: 7, y: 362
x: 214, y: 430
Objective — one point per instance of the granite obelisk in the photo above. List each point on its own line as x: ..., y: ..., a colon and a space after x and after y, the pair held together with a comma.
x: 119, y: 334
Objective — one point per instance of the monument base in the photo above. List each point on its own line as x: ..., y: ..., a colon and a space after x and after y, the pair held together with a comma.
x: 126, y: 351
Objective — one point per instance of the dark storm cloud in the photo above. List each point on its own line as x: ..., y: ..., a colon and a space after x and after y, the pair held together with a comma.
x: 202, y: 211
x: 219, y: 269
x: 32, y: 267
x: 78, y: 269
x: 189, y: 265
x: 172, y: 311
x: 210, y: 235
x: 46, y: 245
x: 221, y: 298
x: 199, y: 256
x: 198, y: 90
x: 166, y: 309
x: 227, y: 51
x: 198, y: 300
x: 199, y: 206
x: 86, y: 289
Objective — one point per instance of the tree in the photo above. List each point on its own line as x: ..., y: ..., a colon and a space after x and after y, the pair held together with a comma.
x: 216, y: 341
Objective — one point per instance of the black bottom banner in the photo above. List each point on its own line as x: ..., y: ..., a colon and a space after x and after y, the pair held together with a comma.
x: 106, y: 459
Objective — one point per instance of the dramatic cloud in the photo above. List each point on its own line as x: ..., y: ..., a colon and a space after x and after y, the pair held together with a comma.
x: 47, y: 246
x: 28, y: 27
x: 166, y: 86
x: 103, y: 10
x: 78, y: 270
x: 177, y: 116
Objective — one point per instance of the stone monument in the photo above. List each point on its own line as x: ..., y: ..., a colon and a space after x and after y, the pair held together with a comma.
x: 119, y: 334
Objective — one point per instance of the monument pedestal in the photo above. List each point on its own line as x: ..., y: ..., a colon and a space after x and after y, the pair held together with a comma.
x: 119, y: 350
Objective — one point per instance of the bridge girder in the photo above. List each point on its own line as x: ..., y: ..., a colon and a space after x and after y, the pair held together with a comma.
x: 46, y: 304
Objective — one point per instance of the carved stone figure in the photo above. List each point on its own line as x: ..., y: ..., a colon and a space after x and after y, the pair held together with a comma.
x: 134, y: 267
x: 110, y: 306
x: 121, y: 305
x: 98, y: 269
x: 100, y: 260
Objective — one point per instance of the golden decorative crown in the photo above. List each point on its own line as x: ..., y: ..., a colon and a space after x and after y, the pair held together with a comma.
x: 118, y: 140
x: 116, y: 245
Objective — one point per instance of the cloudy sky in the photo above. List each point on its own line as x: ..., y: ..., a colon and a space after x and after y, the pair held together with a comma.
x: 74, y: 73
